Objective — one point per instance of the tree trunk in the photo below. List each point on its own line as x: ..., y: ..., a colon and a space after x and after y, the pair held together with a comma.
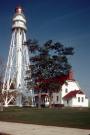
x: 1, y: 107
x: 39, y: 99
x: 50, y: 99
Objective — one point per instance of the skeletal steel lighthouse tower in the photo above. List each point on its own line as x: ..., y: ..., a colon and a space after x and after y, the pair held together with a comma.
x: 14, y: 85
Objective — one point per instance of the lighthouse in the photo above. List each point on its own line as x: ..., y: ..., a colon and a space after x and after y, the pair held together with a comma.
x: 15, y: 84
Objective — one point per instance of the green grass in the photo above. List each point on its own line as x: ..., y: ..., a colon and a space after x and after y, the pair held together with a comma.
x: 66, y: 117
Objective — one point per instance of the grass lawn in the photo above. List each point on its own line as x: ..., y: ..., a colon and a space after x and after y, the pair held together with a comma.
x: 66, y: 117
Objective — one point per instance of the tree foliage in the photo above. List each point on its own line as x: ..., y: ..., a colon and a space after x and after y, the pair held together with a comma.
x: 48, y: 61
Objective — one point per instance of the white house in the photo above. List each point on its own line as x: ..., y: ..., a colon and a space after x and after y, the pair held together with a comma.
x: 75, y: 98
x: 70, y: 95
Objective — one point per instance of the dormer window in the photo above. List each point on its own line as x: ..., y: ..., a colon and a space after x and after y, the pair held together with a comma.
x: 82, y: 99
x: 66, y: 90
x: 78, y: 99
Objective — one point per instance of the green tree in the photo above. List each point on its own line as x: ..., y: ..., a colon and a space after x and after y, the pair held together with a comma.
x: 48, y: 61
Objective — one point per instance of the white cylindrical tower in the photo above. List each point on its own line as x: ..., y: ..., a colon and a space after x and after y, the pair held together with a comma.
x: 18, y: 60
x: 19, y: 28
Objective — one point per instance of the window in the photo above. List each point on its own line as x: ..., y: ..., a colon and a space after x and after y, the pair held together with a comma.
x: 78, y: 99
x: 57, y: 98
x: 67, y: 101
x: 82, y: 99
x: 66, y: 90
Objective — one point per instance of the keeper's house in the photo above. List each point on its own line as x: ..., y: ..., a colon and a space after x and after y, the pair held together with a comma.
x: 70, y: 95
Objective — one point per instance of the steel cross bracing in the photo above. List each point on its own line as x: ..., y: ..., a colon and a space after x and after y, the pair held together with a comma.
x: 15, y: 84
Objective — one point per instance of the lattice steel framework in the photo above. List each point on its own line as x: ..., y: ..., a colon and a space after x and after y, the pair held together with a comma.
x: 15, y: 84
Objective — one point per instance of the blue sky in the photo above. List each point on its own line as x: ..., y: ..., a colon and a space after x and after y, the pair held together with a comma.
x: 67, y: 21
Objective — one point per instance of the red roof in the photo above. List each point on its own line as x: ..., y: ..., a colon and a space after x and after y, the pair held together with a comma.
x: 72, y: 94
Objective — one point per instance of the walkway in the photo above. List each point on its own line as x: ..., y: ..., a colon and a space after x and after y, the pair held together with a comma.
x: 29, y: 129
